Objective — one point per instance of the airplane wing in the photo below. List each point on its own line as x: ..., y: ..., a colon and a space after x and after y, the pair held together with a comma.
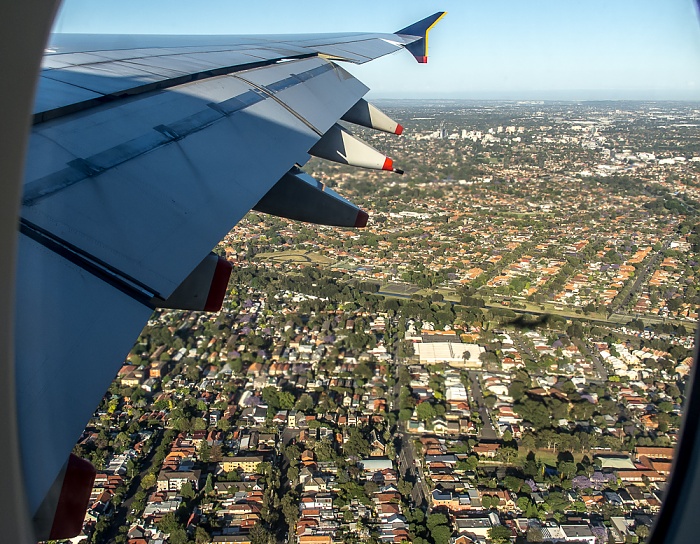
x: 142, y: 155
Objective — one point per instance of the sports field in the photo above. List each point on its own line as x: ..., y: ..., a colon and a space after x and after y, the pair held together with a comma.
x: 293, y: 256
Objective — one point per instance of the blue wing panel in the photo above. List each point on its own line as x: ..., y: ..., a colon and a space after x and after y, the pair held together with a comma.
x: 70, y: 352
x: 51, y: 95
x: 140, y: 174
x: 70, y: 59
x: 105, y: 78
x: 370, y: 48
x: 126, y: 65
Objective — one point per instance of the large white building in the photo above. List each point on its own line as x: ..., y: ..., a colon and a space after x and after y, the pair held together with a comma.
x: 452, y: 353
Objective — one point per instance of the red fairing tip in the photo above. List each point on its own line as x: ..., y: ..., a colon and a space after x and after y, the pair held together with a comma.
x: 422, y: 60
x: 361, y: 219
x: 399, y: 130
x: 388, y: 165
x: 74, y: 499
x: 219, y: 283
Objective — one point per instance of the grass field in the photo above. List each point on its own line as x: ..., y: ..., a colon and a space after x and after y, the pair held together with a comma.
x: 548, y: 457
x: 550, y: 310
x: 400, y: 289
x: 295, y: 257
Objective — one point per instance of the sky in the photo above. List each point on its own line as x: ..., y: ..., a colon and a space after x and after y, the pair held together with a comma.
x: 482, y: 49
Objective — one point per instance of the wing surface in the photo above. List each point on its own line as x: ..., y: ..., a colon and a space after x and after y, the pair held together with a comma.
x: 74, y: 80
x: 142, y: 157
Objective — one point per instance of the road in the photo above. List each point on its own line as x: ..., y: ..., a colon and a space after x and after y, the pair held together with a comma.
x: 487, y: 431
x: 642, y: 275
x: 119, y: 518
x: 600, y: 369
x: 412, y: 471
x: 522, y: 347
x: 409, y: 468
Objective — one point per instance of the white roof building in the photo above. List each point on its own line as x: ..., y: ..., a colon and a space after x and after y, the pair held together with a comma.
x: 452, y: 353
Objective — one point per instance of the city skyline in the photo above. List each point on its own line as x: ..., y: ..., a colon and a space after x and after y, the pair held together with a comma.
x: 596, y: 51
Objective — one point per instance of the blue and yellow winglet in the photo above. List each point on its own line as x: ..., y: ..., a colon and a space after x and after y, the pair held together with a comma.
x: 419, y: 48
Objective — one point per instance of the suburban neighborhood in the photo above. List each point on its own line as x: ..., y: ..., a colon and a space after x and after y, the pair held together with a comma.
x: 500, y: 356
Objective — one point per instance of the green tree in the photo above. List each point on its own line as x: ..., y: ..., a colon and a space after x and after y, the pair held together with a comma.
x: 436, y: 519
x: 305, y: 403
x: 405, y: 414
x: 534, y: 534
x: 216, y: 454
x: 567, y: 469
x: 513, y: 483
x: 290, y: 509
x: 425, y: 412
x: 500, y: 534
x: 270, y: 396
x: 286, y: 400
x: 201, y: 536
x: 186, y: 490
x: 169, y: 523
x: 209, y: 486
x: 531, y: 467
x: 405, y: 488
x: 523, y: 503
x: 223, y: 425
x: 204, y: 451
x: 148, y: 481
x: 356, y: 445
x: 261, y: 535
x: 642, y: 531
x: 665, y: 406
x: 441, y: 534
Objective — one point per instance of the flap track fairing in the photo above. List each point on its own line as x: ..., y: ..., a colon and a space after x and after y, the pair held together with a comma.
x: 339, y: 145
x: 204, y: 289
x: 300, y: 197
x: 366, y: 115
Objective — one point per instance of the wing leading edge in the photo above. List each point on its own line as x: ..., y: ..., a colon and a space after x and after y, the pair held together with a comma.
x: 140, y: 161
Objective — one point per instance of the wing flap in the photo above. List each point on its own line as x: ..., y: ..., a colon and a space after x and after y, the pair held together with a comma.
x: 165, y: 174
x: 370, y: 48
x: 105, y: 78
x: 309, y: 88
x: 54, y: 95
x: 127, y: 215
x: 86, y: 327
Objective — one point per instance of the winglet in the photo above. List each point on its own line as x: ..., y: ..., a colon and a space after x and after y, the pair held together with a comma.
x: 419, y: 49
